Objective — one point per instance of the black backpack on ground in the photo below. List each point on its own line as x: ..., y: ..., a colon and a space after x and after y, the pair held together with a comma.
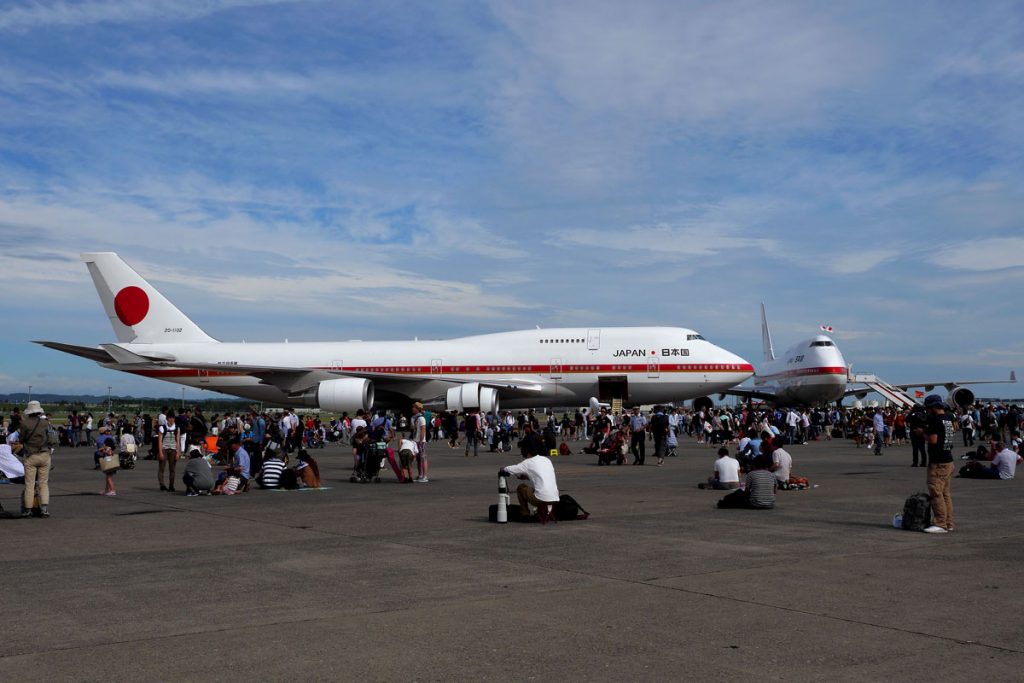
x: 917, y: 512
x: 567, y: 508
x: 289, y: 479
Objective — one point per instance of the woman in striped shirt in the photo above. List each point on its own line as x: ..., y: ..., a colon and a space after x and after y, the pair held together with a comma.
x: 269, y: 476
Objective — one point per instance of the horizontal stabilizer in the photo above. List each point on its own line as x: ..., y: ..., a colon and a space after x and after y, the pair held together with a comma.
x: 90, y: 352
x: 123, y: 356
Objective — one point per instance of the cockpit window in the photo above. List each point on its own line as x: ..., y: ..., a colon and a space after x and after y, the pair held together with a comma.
x: 691, y: 337
x: 822, y: 343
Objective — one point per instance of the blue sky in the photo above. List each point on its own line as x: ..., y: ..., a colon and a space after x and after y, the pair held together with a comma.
x: 332, y: 170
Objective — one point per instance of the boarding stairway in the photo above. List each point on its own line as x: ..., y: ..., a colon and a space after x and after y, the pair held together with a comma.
x: 892, y: 394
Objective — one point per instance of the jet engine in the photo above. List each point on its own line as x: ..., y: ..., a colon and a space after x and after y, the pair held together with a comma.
x: 961, y: 397
x: 347, y: 394
x: 472, y: 396
x: 703, y: 403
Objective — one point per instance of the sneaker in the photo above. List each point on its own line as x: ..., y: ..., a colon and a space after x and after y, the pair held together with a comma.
x: 162, y: 487
x: 110, y: 493
x: 935, y: 530
x: 191, y: 494
x: 422, y: 480
x: 170, y: 489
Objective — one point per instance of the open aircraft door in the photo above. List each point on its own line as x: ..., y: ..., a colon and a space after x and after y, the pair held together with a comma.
x: 593, y: 340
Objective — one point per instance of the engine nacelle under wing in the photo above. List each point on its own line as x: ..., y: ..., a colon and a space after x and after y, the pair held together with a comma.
x: 347, y: 394
x: 961, y: 397
x: 703, y: 403
x: 472, y: 396
x: 488, y: 400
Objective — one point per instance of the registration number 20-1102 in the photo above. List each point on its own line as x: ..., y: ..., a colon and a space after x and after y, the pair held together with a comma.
x: 172, y: 329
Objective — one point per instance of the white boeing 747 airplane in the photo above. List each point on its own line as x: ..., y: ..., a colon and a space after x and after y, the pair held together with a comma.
x: 533, y: 368
x: 813, y: 372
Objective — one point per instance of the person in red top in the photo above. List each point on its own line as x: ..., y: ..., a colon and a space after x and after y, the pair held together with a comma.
x: 899, y: 433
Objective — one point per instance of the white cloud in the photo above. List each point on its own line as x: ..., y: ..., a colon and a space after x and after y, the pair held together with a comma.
x: 697, y: 231
x: 62, y: 13
x: 586, y: 87
x: 856, y: 261
x: 665, y: 240
x: 220, y: 81
x: 993, y: 253
x: 226, y: 252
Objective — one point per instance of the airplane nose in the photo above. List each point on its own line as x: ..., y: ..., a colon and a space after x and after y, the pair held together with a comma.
x: 735, y: 370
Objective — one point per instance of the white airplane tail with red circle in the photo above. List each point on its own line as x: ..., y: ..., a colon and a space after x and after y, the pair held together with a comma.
x: 137, y: 311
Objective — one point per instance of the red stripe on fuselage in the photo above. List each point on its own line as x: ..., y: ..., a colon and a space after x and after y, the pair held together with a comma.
x: 804, y: 372
x: 583, y: 368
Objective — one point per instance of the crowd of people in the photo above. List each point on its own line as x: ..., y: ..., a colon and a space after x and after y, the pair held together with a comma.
x: 233, y: 452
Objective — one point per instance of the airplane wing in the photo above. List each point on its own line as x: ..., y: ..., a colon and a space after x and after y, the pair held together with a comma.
x: 294, y: 380
x: 750, y: 394
x: 928, y: 386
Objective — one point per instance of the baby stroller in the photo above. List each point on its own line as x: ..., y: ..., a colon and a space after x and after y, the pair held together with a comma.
x: 613, y: 450
x: 311, y: 439
x: 128, y: 457
x: 371, y: 463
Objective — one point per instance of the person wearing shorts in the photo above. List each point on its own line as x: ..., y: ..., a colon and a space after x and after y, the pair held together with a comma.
x: 406, y: 454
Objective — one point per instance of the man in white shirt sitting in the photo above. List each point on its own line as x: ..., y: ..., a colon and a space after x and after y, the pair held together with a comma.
x: 542, y: 491
x: 1004, y: 465
x: 782, y: 465
x: 727, y: 472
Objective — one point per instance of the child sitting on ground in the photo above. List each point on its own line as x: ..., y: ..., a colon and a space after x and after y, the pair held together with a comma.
x: 228, y: 486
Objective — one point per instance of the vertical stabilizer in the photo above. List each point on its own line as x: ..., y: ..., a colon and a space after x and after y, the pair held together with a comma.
x: 766, y: 336
x: 137, y: 311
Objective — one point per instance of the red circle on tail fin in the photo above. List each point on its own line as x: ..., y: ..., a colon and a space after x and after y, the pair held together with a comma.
x: 131, y: 305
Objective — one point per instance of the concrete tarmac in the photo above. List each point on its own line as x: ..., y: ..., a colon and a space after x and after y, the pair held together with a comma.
x: 388, y: 582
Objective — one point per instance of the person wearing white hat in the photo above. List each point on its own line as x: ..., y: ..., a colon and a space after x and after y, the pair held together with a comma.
x: 36, y: 448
